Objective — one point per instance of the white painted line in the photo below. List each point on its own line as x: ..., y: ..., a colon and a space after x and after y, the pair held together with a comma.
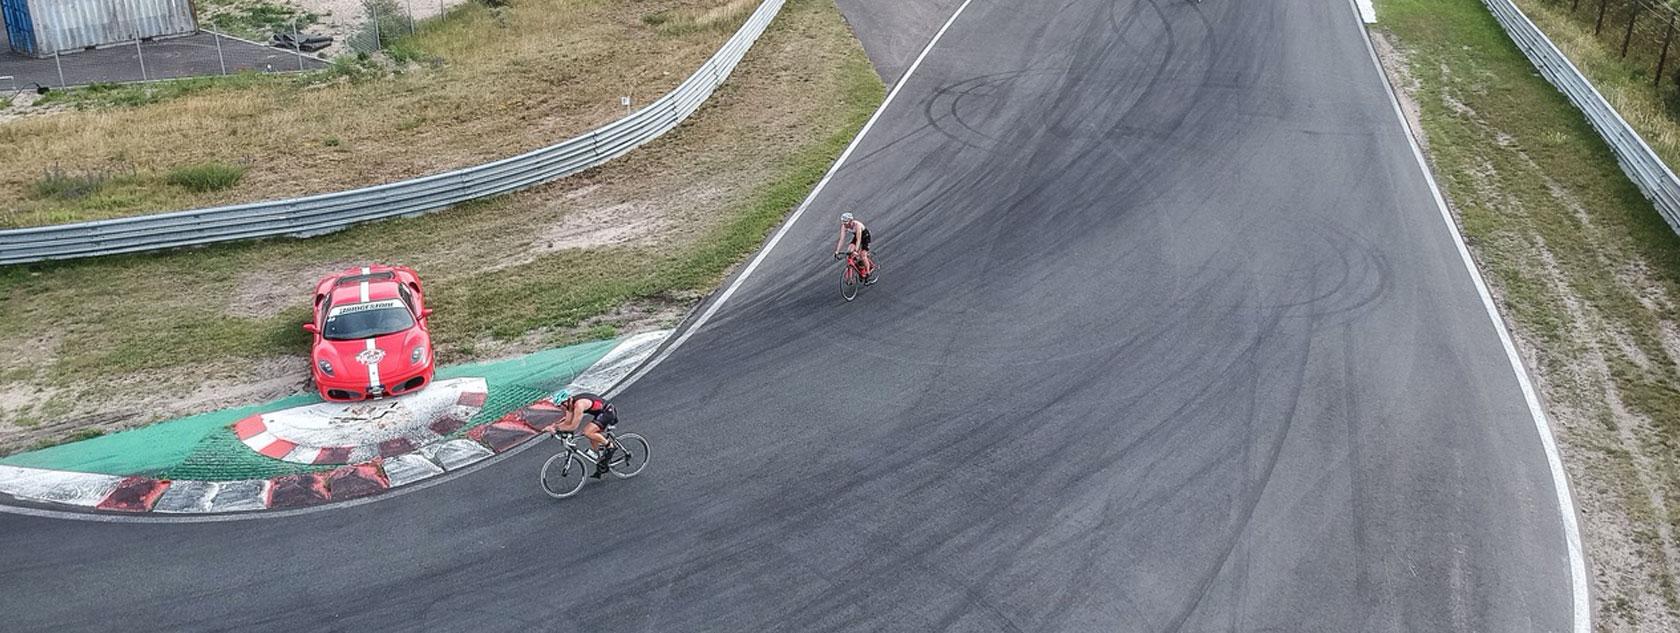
x: 455, y: 454
x: 302, y: 455
x: 1581, y: 606
x: 373, y: 367
x: 187, y: 497
x: 624, y: 357
x: 1367, y: 12
x: 58, y: 486
x: 406, y: 469
x: 794, y: 219
x: 240, y: 496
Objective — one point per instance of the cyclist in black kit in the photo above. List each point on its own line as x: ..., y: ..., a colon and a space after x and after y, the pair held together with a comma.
x: 603, y: 417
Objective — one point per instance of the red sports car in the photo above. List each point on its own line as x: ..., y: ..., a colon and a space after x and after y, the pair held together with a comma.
x: 370, y: 331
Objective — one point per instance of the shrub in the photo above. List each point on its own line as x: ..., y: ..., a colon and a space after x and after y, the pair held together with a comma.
x: 206, y: 177
x: 66, y: 185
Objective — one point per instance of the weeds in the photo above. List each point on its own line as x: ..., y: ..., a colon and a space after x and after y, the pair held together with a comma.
x: 254, y: 19
x: 206, y: 177
x: 70, y: 185
x: 724, y: 18
x: 107, y: 95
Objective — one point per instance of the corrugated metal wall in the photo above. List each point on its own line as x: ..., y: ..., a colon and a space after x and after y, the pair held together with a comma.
x: 68, y: 25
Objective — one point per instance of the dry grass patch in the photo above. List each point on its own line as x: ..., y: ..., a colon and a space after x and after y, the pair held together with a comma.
x: 478, y: 84
x: 696, y: 19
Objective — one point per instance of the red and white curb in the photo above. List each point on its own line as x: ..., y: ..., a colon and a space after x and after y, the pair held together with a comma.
x: 348, y: 433
x: 141, y: 494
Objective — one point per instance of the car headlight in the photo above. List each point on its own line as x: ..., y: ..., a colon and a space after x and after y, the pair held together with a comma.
x: 326, y: 367
x: 418, y: 355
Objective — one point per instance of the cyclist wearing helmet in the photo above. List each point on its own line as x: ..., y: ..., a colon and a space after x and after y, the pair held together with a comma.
x: 603, y: 416
x: 859, y: 242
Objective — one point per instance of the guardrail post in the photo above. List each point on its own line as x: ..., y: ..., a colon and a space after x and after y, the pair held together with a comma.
x: 1662, y: 60
x: 1633, y: 16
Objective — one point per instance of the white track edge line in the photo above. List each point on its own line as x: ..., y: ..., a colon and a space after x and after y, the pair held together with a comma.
x: 794, y: 218
x: 1581, y: 614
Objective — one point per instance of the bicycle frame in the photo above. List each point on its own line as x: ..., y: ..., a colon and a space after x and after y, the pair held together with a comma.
x: 854, y: 261
x: 571, y: 443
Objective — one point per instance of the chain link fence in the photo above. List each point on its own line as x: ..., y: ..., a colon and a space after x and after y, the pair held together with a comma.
x: 1642, y: 32
x: 235, y: 37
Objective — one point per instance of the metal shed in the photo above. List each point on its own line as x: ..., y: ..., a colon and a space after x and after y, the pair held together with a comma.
x: 43, y: 27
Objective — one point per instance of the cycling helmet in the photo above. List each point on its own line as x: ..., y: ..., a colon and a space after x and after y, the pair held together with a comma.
x: 846, y: 217
x: 560, y: 397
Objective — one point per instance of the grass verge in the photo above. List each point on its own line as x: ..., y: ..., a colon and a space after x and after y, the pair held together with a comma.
x: 614, y: 249
x: 1582, y: 266
x: 1626, y: 85
x: 476, y: 84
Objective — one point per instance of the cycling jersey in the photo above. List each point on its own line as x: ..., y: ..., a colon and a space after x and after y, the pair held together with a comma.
x: 852, y: 237
x: 597, y: 406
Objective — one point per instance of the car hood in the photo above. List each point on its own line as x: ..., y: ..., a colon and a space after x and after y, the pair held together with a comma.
x: 361, y: 359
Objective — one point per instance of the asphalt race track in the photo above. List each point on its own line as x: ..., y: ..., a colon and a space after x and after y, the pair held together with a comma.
x: 1170, y: 337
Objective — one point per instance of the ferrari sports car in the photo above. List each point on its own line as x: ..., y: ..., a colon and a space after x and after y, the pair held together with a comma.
x: 370, y: 332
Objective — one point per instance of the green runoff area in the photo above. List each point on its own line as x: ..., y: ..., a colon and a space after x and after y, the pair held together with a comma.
x: 203, y: 447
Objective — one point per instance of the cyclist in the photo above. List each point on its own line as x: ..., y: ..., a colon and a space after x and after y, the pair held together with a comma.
x: 860, y: 243
x: 603, y: 417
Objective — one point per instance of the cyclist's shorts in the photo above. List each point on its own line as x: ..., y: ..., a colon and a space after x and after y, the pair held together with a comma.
x: 606, y: 419
x: 866, y: 239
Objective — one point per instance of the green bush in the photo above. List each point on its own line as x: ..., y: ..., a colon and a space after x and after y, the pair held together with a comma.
x: 206, y: 177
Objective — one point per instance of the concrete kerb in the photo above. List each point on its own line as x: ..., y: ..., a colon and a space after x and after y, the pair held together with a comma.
x: 68, y: 494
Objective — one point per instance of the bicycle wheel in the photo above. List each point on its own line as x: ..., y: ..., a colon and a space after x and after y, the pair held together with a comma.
x: 563, y: 475
x: 849, y: 283
x: 632, y: 457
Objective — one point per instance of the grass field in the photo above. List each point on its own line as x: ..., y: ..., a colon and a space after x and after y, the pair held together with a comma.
x: 1627, y: 86
x: 476, y: 84
x: 1584, y: 268
x: 121, y: 341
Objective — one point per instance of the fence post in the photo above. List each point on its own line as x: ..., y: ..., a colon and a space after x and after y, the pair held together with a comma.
x: 1662, y: 60
x: 60, y: 65
x: 1599, y: 25
x: 410, y: 5
x: 141, y: 53
x: 378, y: 42
x: 219, y: 59
x: 297, y: 44
x: 1633, y: 16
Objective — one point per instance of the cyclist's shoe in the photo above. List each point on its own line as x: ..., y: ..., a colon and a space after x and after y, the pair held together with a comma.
x: 870, y: 279
x: 606, y: 458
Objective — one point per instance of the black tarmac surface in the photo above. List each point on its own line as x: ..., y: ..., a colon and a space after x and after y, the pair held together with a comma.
x: 1170, y: 337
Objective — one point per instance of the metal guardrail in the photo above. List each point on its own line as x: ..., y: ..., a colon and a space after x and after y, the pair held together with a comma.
x: 1641, y: 164
x: 325, y: 213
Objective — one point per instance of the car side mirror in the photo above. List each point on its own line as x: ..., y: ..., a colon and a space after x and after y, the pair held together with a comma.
x: 310, y: 328
x: 425, y: 313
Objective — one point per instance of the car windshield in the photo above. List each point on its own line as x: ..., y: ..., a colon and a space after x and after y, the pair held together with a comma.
x: 367, y: 320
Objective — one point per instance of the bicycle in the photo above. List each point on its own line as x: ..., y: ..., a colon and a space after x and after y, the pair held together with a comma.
x: 564, y: 474
x: 852, y: 277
